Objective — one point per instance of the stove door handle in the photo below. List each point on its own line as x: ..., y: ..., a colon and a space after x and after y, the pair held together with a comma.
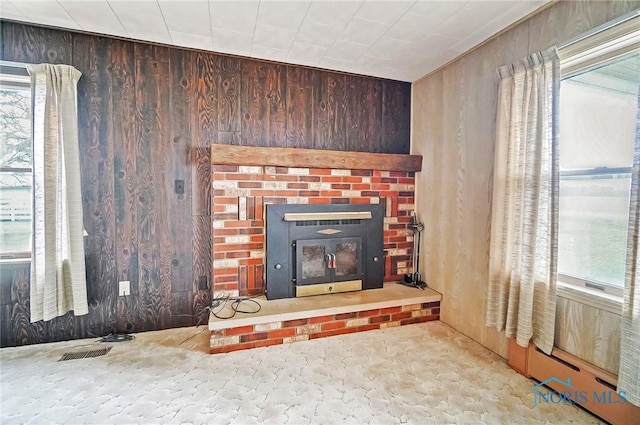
x: 330, y: 260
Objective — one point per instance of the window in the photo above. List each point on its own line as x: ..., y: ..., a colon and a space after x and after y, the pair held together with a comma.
x: 598, y: 110
x: 15, y: 162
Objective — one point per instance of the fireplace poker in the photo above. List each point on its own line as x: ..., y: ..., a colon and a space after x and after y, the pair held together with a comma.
x: 414, y: 280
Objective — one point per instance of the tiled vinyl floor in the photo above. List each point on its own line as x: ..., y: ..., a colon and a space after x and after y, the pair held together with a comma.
x: 416, y: 374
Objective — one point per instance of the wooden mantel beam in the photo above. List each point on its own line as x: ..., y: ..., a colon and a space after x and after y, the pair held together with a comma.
x: 313, y: 158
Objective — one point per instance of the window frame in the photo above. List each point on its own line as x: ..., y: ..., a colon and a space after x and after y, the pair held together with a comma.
x: 592, y: 284
x: 14, y: 76
x: 603, y: 44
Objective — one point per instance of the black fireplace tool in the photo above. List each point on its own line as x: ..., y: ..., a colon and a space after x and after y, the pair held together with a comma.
x: 414, y: 279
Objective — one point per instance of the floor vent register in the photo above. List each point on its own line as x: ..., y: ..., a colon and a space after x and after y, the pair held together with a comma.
x: 84, y: 354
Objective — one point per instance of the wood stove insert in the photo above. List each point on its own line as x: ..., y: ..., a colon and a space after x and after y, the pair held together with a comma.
x: 320, y: 249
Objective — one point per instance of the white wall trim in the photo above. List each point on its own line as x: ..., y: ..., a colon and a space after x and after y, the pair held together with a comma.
x: 606, y: 302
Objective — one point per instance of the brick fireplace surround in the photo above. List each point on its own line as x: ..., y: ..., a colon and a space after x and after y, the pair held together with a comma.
x: 240, y: 193
x: 244, y: 180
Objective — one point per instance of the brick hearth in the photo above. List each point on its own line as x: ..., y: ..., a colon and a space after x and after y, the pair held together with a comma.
x: 301, y: 319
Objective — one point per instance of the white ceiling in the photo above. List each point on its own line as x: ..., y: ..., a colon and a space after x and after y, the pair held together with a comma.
x: 400, y: 40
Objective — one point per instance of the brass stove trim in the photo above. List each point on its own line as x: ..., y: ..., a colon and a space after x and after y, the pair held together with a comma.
x: 328, y: 288
x: 329, y: 232
x: 342, y: 215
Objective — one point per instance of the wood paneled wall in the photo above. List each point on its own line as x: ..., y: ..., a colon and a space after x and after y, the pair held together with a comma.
x: 589, y: 333
x: 146, y: 116
x: 454, y: 129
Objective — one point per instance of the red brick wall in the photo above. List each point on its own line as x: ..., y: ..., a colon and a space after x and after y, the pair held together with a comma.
x: 239, y: 194
x: 304, y: 329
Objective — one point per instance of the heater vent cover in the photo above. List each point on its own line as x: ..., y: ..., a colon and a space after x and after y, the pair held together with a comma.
x: 84, y: 354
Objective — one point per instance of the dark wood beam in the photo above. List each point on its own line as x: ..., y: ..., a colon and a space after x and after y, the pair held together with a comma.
x: 313, y: 158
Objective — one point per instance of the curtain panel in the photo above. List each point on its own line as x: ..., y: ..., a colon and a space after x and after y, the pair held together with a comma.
x: 629, y: 372
x: 58, y: 280
x: 521, y: 296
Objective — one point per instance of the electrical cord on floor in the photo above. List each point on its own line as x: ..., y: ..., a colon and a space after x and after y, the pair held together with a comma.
x: 202, y: 316
x: 193, y: 336
x: 220, y: 302
x: 117, y: 338
x: 217, y: 305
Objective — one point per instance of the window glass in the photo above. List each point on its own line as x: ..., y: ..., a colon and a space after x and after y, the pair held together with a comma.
x: 593, y: 227
x: 15, y: 166
x: 598, y: 121
x: 598, y: 109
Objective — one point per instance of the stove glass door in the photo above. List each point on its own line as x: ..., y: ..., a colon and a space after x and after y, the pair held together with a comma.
x: 328, y: 260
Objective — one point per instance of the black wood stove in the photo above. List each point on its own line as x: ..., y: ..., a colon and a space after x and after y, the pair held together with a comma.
x: 320, y: 249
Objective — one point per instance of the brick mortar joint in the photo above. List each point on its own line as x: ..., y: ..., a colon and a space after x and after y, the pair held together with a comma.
x: 305, y: 337
x: 317, y: 327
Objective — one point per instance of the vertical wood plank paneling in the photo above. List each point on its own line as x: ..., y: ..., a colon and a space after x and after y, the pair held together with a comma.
x: 205, y: 127
x: 15, y: 323
x: 6, y: 322
x: 22, y: 43
x: 262, y: 102
x: 207, y: 72
x: 181, y: 83
x: 429, y: 203
x: 586, y: 332
x: 202, y: 265
x: 147, y: 116
x: 96, y: 163
x: 182, y: 309
x: 452, y: 253
x: 201, y: 221
x: 152, y: 105
x: 146, y: 131
x: 330, y: 106
x: 255, y: 110
x: 396, y: 117
x: 454, y: 129
x: 229, y: 138
x: 162, y: 150
x: 229, y: 88
x: 364, y: 114
x: 300, y: 82
x: 277, y: 98
x: 200, y: 181
x: 16, y: 327
x: 373, y: 117
x: 152, y: 51
x: 125, y: 180
x: 206, y: 94
x: 22, y: 329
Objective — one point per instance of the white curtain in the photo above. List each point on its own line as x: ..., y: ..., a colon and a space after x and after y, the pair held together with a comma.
x: 524, y: 226
x: 58, y: 282
x: 629, y: 372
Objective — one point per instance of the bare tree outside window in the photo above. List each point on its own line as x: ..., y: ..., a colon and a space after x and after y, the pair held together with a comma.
x: 15, y: 168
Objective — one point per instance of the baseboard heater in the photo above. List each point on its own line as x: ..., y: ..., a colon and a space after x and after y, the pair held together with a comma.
x: 593, y: 388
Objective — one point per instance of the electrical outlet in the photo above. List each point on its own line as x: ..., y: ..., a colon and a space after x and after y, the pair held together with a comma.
x: 124, y: 288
